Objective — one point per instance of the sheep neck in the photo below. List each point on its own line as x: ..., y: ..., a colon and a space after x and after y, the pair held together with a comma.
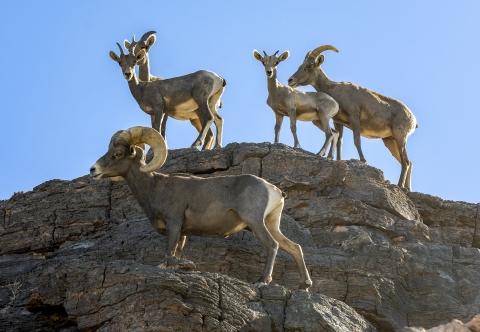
x: 272, y: 84
x: 135, y: 88
x: 144, y: 70
x: 321, y: 81
x: 140, y: 184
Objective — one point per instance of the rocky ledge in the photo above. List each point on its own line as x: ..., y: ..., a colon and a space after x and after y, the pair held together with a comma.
x: 80, y: 256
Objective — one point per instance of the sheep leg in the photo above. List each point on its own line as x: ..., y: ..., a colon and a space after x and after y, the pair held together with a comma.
x: 272, y: 222
x: 217, y: 119
x: 204, y: 115
x: 292, y: 114
x: 355, y: 124
x: 339, y: 129
x: 256, y: 225
x: 164, y: 127
x: 278, y: 125
x: 391, y: 144
x: 180, y: 245
x: 173, y: 237
x: 158, y: 115
x: 406, y: 164
x: 330, y: 136
x: 207, y: 145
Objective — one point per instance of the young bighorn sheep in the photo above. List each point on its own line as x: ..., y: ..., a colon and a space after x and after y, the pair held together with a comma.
x: 146, y: 42
x: 317, y: 107
x: 182, y: 205
x: 365, y: 112
x: 185, y: 97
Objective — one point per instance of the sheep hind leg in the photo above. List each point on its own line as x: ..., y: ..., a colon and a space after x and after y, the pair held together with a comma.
x: 258, y: 228
x: 207, y: 145
x: 213, y: 104
x: 331, y: 137
x: 204, y: 114
x: 272, y: 222
x: 406, y: 164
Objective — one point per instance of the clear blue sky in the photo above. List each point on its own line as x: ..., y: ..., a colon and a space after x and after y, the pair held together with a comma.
x: 62, y: 97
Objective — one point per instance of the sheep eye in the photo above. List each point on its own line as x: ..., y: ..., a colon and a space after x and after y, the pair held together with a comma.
x: 118, y: 155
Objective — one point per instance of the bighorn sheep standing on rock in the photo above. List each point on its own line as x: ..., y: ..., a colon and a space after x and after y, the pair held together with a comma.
x: 185, y: 97
x: 146, y: 42
x: 184, y: 205
x: 317, y: 107
x: 365, y: 112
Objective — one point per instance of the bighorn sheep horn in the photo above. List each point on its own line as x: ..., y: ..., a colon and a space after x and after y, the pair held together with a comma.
x: 275, y: 54
x: 316, y: 52
x: 120, y: 47
x: 147, y: 34
x: 264, y: 53
x: 138, y: 135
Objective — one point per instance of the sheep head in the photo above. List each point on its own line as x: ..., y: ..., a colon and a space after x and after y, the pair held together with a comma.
x: 147, y: 41
x: 128, y: 61
x: 270, y: 62
x: 306, y: 73
x: 125, y: 151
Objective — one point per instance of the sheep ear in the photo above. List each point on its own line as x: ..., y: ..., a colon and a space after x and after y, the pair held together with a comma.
x: 133, y: 152
x: 284, y: 56
x: 319, y: 60
x: 114, y: 57
x: 257, y: 55
x: 150, y: 41
x: 127, y: 44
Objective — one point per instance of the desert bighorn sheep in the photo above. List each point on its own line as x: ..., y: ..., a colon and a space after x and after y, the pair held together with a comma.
x: 365, y: 112
x: 317, y: 107
x: 146, y: 42
x: 185, y: 97
x: 180, y: 205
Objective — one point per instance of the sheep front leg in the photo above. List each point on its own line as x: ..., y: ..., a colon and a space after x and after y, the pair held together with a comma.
x: 354, y: 121
x: 339, y: 128
x: 278, y: 125
x: 292, y: 114
x: 158, y: 116
x: 175, y: 244
x: 173, y: 236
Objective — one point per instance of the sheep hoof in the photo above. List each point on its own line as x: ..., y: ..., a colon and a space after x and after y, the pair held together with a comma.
x: 305, y: 285
x: 175, y: 263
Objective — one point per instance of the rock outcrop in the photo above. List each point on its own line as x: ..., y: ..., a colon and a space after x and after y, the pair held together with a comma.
x: 80, y: 255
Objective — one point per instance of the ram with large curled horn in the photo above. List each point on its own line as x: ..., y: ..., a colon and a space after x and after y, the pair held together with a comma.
x: 182, y: 205
x: 145, y: 43
x: 365, y: 112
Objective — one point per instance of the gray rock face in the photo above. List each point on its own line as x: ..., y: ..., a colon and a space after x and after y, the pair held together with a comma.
x: 80, y: 255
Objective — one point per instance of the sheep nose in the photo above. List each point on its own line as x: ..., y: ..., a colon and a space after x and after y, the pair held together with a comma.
x: 92, y: 169
x: 269, y: 72
x: 127, y: 75
x: 290, y: 80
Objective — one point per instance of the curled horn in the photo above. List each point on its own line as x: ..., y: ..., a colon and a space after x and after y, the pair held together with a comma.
x: 138, y: 135
x: 121, y: 49
x: 147, y: 34
x: 316, y: 52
